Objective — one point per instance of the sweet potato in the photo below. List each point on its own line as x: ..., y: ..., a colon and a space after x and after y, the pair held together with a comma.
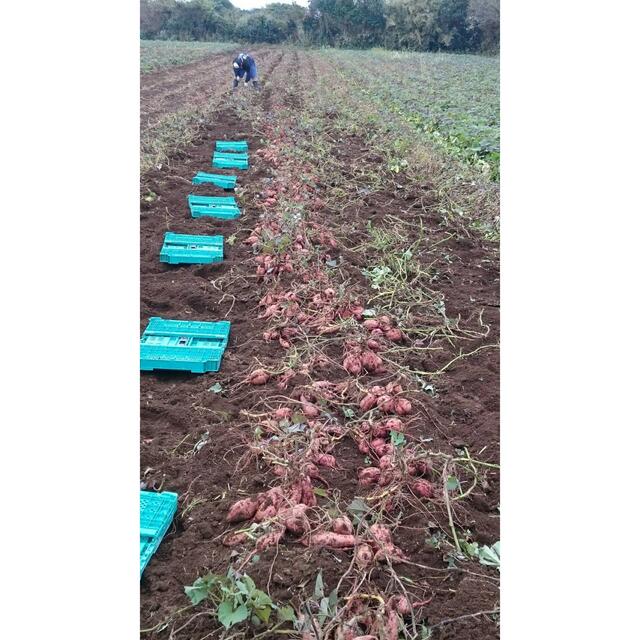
x: 381, y: 447
x: 394, y: 334
x: 369, y: 476
x: 325, y: 460
x: 352, y: 364
x: 402, y: 406
x: 374, y: 345
x: 420, y: 468
x: 386, y: 462
x: 386, y: 403
x: 422, y: 488
x: 363, y: 446
x: 259, y: 376
x: 270, y: 539
x: 282, y: 413
x: 368, y: 402
x: 308, y: 497
x: 371, y: 324
x: 400, y: 604
x: 331, y: 540
x: 233, y: 539
x: 265, y: 513
x: 393, y: 388
x: 372, y: 362
x: 295, y: 519
x: 381, y: 534
x: 364, y: 555
x: 244, y: 509
x: 377, y: 390
x: 391, y: 626
x: 310, y: 410
x: 342, y: 525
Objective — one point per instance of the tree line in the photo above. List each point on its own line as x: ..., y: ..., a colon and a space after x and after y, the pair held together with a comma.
x: 419, y: 25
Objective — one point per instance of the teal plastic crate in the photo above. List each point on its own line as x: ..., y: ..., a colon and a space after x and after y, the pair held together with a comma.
x: 222, y: 211
x: 210, y: 201
x: 224, y: 207
x: 187, y: 249
x: 156, y: 514
x: 229, y: 145
x: 183, y: 345
x: 224, y: 182
x: 230, y: 160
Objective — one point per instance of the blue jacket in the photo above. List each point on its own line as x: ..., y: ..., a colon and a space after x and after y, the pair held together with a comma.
x: 245, y: 63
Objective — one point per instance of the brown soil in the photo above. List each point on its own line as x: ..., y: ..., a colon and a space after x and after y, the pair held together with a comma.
x: 177, y: 410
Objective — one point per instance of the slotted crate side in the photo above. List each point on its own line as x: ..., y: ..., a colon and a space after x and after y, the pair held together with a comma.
x: 193, y: 199
x: 156, y: 514
x: 224, y: 212
x: 224, y: 163
x: 188, y: 328
x: 186, y: 239
x: 231, y: 145
x: 181, y: 255
x: 231, y: 156
x: 224, y: 182
x: 193, y: 359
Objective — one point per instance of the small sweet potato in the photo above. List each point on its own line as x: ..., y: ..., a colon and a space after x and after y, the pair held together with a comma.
x: 352, y: 364
x: 325, y: 460
x: 402, y: 406
x: 369, y: 476
x: 394, y: 334
x: 422, y: 488
x: 372, y: 362
x: 310, y: 410
x: 342, y: 525
x: 364, y: 555
x: 386, y: 403
x: 270, y: 539
x: 282, y: 413
x: 259, y: 376
x: 368, y: 402
x: 244, y: 509
x: 331, y: 540
x: 295, y: 519
x: 233, y: 539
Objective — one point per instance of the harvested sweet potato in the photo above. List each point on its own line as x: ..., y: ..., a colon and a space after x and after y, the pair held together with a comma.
x: 371, y: 324
x: 325, y: 460
x: 369, y: 476
x: 234, y: 539
x: 368, y: 402
x: 259, y: 376
x: 342, y: 525
x: 270, y: 539
x: 364, y: 556
x: 295, y: 519
x: 422, y: 488
x: 283, y: 413
x: 310, y: 410
x: 386, y: 403
x: 244, y: 509
x: 372, y: 362
x: 352, y: 364
x: 402, y: 406
x: 394, y: 334
x: 331, y: 540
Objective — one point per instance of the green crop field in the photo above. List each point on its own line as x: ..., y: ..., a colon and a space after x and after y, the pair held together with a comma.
x: 157, y: 54
x: 452, y: 101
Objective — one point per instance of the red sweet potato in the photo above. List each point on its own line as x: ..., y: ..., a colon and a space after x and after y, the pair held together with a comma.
x: 295, y: 519
x: 371, y: 324
x: 352, y: 364
x: 270, y: 539
x: 331, y: 540
x: 385, y: 403
x: 422, y: 488
x: 394, y: 334
x: 342, y: 525
x: 369, y: 476
x: 325, y: 460
x: 281, y: 413
x: 364, y: 555
x: 402, y: 406
x: 233, y: 539
x: 244, y: 509
x: 368, y: 402
x: 374, y: 345
x: 259, y: 376
x: 372, y: 362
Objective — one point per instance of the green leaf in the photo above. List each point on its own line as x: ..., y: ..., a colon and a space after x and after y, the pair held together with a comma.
x: 216, y: 388
x: 490, y: 556
x: 347, y: 412
x: 333, y: 599
x: 397, y: 438
x: 264, y: 613
x: 287, y: 614
x: 320, y: 492
x: 231, y: 240
x: 319, y: 590
x: 228, y: 616
x: 369, y: 313
x: 199, y: 590
x: 452, y: 483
